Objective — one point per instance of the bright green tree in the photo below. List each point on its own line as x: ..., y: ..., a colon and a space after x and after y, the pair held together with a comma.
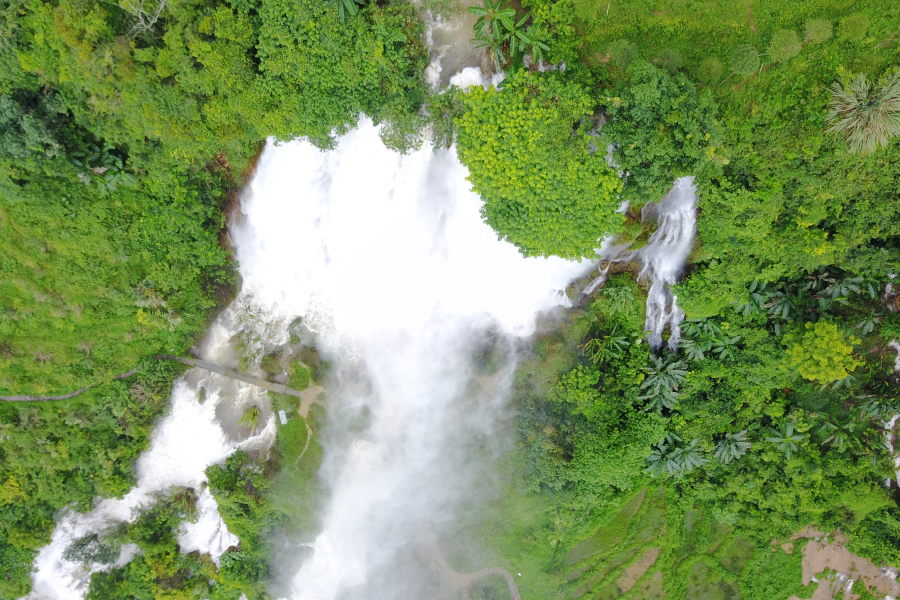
x: 822, y: 353
x: 543, y: 190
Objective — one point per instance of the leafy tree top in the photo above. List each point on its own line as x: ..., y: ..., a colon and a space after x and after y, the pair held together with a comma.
x: 543, y: 190
x: 822, y: 353
x: 662, y: 129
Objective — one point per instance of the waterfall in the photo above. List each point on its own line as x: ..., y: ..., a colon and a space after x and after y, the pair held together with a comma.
x: 663, y: 259
x: 199, y: 430
x: 387, y: 262
x: 387, y: 259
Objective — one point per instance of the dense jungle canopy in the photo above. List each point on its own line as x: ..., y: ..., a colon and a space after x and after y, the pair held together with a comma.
x: 127, y: 127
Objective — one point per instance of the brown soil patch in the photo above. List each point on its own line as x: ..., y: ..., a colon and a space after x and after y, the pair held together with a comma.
x: 637, y: 570
x: 821, y: 554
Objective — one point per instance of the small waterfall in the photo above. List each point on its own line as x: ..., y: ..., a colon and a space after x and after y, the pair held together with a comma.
x: 194, y: 434
x: 664, y: 258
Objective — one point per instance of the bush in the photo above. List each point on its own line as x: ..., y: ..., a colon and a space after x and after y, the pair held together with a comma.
x: 710, y: 70
x: 543, y: 190
x: 784, y: 46
x: 822, y: 353
x: 854, y: 28
x: 818, y: 31
x: 745, y: 60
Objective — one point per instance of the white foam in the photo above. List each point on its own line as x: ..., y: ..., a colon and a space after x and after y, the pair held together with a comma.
x: 185, y: 442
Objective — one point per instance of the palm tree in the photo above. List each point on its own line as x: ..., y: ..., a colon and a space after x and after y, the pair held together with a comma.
x: 866, y: 116
x: 670, y: 457
x: 528, y: 39
x: 787, y: 440
x: 725, y: 346
x: 613, y: 345
x: 348, y: 6
x: 734, y: 446
x: 491, y: 28
x: 662, y: 382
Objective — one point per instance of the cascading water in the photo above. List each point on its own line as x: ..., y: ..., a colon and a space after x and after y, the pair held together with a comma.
x: 386, y: 257
x: 663, y: 259
x: 387, y: 260
x: 195, y: 434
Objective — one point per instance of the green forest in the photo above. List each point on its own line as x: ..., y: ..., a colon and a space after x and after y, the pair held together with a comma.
x: 128, y: 127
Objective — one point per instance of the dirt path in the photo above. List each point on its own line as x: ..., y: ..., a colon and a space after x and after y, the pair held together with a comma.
x: 125, y: 375
x: 463, y: 581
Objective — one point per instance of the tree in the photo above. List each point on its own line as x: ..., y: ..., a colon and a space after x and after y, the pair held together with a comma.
x: 822, y: 353
x: 661, y: 128
x: 612, y: 345
x: 348, y: 6
x: 663, y: 379
x: 818, y: 31
x: 745, y: 60
x: 866, y: 116
x: 854, y: 28
x: 491, y: 29
x: 671, y: 457
x: 496, y: 29
x: 784, y: 46
x: 543, y: 190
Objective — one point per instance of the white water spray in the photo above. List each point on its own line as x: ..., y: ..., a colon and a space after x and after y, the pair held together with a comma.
x: 387, y: 258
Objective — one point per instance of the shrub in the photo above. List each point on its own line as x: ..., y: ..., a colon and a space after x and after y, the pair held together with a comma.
x: 784, y: 46
x: 866, y: 116
x: 822, y: 353
x: 745, y: 60
x: 854, y: 28
x: 622, y: 53
x: 818, y: 31
x: 710, y: 70
x: 662, y: 129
